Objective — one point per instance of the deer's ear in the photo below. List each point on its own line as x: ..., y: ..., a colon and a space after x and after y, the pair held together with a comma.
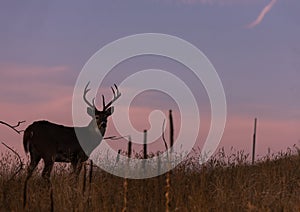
x: 90, y: 111
x: 110, y: 111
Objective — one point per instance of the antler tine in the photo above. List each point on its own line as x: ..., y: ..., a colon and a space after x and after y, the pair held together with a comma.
x: 94, y: 103
x: 103, y: 102
x: 86, y: 90
x: 113, y: 91
x: 116, y: 94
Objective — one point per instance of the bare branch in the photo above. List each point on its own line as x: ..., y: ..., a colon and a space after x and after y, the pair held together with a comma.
x: 163, y: 135
x: 116, y: 138
x: 13, y: 127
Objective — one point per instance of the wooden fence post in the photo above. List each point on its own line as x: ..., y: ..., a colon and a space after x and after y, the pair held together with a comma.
x: 129, y: 147
x: 145, y: 144
x: 171, y: 131
x: 145, y: 149
x: 254, y: 141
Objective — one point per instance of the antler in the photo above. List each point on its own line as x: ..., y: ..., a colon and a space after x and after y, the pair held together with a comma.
x: 116, y: 93
x: 86, y: 90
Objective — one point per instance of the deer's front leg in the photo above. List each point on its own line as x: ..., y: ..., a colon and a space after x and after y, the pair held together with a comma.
x: 76, y: 165
x: 47, y: 169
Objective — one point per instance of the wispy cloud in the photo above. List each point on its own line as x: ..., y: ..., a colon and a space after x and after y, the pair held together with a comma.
x: 253, y: 24
x: 27, y: 91
x: 12, y: 72
x: 29, y: 84
x: 216, y: 2
x: 262, y: 14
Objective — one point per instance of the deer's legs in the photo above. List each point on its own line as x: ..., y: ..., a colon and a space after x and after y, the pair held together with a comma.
x: 34, y: 160
x: 47, y: 169
x: 76, y: 165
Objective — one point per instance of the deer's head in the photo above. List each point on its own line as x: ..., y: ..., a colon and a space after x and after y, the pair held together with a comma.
x: 100, y: 116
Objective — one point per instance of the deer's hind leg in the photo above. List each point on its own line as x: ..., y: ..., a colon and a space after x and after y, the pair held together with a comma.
x: 34, y: 161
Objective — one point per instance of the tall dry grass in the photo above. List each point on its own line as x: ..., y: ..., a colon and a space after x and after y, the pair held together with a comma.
x: 224, y: 183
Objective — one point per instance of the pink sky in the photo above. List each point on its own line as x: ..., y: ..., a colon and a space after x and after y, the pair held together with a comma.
x: 53, y: 103
x: 45, y: 45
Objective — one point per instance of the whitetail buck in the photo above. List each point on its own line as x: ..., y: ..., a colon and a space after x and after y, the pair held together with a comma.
x: 57, y: 143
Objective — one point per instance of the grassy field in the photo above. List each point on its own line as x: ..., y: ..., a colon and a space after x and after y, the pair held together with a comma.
x: 225, y: 183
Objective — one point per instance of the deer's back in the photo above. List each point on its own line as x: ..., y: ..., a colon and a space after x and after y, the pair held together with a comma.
x: 51, y: 137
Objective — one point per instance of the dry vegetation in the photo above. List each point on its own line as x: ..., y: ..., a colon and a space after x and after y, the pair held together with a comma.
x: 225, y: 183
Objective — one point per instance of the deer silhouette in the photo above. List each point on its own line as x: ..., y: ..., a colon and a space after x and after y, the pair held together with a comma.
x: 57, y: 143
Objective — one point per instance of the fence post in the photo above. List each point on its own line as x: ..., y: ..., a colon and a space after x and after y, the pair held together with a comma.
x: 145, y: 149
x: 145, y: 144
x: 171, y: 131
x: 129, y: 147
x: 254, y: 141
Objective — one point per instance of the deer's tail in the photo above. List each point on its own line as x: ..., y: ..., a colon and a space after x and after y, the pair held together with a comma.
x: 28, y: 133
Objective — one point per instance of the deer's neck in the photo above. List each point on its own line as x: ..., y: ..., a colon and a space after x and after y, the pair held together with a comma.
x: 95, y: 129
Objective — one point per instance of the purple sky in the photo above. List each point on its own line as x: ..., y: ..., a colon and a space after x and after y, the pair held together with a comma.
x: 44, y: 46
